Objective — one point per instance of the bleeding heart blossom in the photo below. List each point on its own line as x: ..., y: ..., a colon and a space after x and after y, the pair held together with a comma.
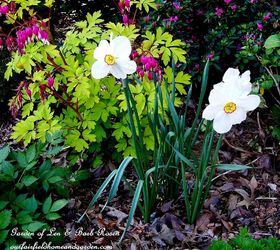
x: 230, y: 100
x: 113, y: 58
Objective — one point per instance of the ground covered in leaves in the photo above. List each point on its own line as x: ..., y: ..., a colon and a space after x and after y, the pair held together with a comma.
x: 237, y: 198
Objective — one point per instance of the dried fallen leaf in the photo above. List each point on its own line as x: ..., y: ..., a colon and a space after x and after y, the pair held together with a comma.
x: 117, y: 214
x: 232, y: 202
x: 166, y: 207
x: 133, y: 246
x: 246, y: 198
x: 253, y: 184
x: 272, y: 186
x: 227, y: 225
x: 203, y: 221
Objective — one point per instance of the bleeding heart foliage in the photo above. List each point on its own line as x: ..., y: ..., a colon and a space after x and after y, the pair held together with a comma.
x: 59, y: 93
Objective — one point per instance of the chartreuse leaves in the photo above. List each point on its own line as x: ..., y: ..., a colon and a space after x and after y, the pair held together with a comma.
x: 100, y: 103
x: 119, y: 29
x: 145, y: 4
x: 163, y: 46
x: 49, y: 3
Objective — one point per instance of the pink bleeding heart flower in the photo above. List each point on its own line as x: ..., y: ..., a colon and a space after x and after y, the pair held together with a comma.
x: 4, y: 9
x: 150, y: 75
x: 50, y: 82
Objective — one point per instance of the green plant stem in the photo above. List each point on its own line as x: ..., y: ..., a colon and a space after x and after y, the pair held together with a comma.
x: 212, y: 169
x: 138, y: 162
x: 185, y: 191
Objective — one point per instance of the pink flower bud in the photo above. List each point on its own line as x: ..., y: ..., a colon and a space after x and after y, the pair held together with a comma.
x: 260, y: 26
x: 210, y: 56
x: 127, y: 3
x: 4, y: 9
x: 28, y: 92
x: 50, y: 82
x: 233, y: 7
x: 10, y: 42
x: 150, y: 75
x: 177, y: 6
x: 134, y: 54
x: 227, y: 2
x: 125, y: 19
x: 43, y: 87
x: 20, y: 97
x: 141, y: 73
x: 12, y: 7
x: 146, y: 18
x: 121, y: 5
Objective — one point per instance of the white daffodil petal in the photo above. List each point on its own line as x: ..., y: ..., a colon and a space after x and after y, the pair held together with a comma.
x: 245, y: 77
x: 117, y: 71
x: 101, y: 51
x: 127, y: 66
x: 211, y: 111
x: 99, y: 69
x: 245, y: 82
x: 219, y: 95
x: 221, y: 123
x: 249, y: 103
x: 231, y: 75
x: 238, y: 116
x: 121, y: 47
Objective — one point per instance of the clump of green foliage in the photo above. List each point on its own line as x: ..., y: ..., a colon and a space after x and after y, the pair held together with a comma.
x: 30, y: 186
x: 244, y: 241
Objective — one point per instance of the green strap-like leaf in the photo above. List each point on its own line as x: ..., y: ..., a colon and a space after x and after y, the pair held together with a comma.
x: 233, y: 167
x: 117, y: 179
x: 133, y: 207
x: 98, y: 193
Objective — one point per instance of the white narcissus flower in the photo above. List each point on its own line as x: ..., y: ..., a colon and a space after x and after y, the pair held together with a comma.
x: 113, y: 58
x: 229, y: 101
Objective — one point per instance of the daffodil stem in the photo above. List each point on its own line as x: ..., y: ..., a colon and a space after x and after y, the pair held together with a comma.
x: 212, y: 167
x: 138, y: 151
